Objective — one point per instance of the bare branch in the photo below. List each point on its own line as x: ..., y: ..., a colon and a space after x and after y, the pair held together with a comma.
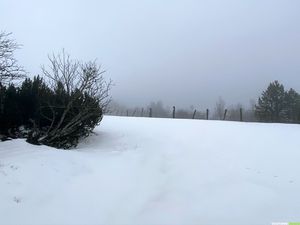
x: 9, y: 68
x: 85, y: 96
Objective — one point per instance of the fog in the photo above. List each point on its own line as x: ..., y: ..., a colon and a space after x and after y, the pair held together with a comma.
x: 181, y: 52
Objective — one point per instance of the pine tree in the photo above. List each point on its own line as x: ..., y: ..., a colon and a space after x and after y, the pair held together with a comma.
x: 272, y: 104
x: 292, y: 101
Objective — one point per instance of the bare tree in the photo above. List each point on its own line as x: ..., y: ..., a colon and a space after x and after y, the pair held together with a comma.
x: 219, y: 109
x: 249, y: 114
x: 75, y: 75
x: 116, y: 108
x: 9, y: 68
x: 83, y: 98
x: 158, y: 109
x: 234, y: 112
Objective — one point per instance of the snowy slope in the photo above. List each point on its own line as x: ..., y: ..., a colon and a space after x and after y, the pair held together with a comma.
x: 156, y: 171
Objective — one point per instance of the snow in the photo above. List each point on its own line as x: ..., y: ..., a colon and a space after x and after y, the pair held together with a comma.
x: 156, y: 171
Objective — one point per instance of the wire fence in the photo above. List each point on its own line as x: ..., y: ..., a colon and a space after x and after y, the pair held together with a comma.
x: 229, y: 115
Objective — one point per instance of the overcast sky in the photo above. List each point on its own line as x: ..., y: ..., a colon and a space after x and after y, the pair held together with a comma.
x: 182, y: 52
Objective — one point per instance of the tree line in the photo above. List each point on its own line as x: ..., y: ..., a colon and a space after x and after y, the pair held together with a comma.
x: 274, y: 105
x: 56, y: 109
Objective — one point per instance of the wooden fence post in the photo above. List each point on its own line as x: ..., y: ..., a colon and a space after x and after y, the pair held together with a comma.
x: 207, y: 113
x: 194, y: 114
x: 225, y: 113
x: 142, y: 112
x: 127, y: 112
x: 241, y: 114
x: 150, y: 112
x: 174, y: 112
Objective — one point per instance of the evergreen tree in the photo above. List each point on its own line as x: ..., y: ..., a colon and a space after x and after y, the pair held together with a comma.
x: 272, y: 104
x: 10, y: 115
x: 292, y: 101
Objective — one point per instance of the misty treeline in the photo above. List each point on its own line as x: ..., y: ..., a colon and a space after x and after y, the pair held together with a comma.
x: 59, y: 107
x: 274, y: 105
x: 159, y: 110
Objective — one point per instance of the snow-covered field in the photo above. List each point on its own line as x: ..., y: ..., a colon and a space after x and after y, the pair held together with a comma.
x: 156, y: 171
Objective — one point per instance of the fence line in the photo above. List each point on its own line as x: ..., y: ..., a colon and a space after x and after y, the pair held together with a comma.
x: 193, y: 114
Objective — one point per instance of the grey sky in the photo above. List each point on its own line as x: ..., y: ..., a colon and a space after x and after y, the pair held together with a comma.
x: 183, y: 52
